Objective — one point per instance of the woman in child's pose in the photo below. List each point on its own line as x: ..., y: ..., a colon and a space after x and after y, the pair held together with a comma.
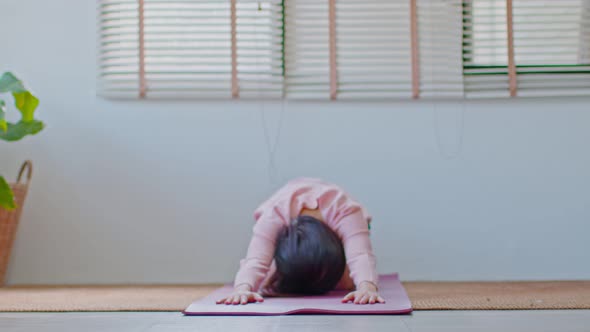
x: 310, y: 237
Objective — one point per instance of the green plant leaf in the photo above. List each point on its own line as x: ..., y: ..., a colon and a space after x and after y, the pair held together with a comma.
x: 3, y: 127
x: 6, y: 196
x: 16, y: 131
x: 9, y: 83
x: 26, y: 104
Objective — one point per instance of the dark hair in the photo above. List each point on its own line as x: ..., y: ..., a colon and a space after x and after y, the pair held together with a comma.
x: 309, y: 257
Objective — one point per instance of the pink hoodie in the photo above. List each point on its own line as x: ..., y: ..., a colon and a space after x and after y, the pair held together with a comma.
x: 343, y: 214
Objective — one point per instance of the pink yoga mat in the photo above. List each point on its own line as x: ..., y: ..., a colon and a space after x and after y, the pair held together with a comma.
x: 390, y: 288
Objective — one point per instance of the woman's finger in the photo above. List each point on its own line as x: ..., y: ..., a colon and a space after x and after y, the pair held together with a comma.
x: 372, y: 299
x: 250, y: 297
x: 236, y: 299
x: 258, y: 298
x: 380, y: 299
x: 365, y: 299
x: 220, y: 301
x: 358, y: 298
x: 348, y: 297
x: 243, y: 299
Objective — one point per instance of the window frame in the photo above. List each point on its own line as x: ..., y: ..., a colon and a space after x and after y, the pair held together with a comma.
x: 503, y: 69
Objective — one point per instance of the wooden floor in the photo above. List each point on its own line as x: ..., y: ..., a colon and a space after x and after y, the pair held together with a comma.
x: 422, y: 321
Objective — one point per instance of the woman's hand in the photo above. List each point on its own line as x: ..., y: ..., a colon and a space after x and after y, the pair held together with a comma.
x: 366, y: 293
x: 241, y: 295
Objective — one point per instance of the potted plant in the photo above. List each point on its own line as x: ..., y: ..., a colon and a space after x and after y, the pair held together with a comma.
x: 12, y: 195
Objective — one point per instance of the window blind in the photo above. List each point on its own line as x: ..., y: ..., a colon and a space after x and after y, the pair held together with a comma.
x: 203, y: 48
x: 260, y: 48
x: 585, y: 33
x: 440, y: 48
x: 118, y: 49
x: 307, y: 51
x: 188, y: 49
x: 343, y: 49
x: 550, y: 40
x: 372, y: 44
x: 373, y: 49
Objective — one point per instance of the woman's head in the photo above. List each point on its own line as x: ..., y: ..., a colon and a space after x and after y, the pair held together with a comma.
x: 309, y: 257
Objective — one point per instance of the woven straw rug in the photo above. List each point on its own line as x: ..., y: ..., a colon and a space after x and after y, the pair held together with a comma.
x: 424, y: 296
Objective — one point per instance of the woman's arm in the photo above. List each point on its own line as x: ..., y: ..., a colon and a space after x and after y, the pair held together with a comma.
x: 254, y: 268
x: 354, y: 230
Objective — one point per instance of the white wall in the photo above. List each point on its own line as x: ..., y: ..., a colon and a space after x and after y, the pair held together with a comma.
x: 164, y: 191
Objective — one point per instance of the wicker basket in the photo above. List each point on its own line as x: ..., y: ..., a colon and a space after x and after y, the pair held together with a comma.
x: 9, y: 219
